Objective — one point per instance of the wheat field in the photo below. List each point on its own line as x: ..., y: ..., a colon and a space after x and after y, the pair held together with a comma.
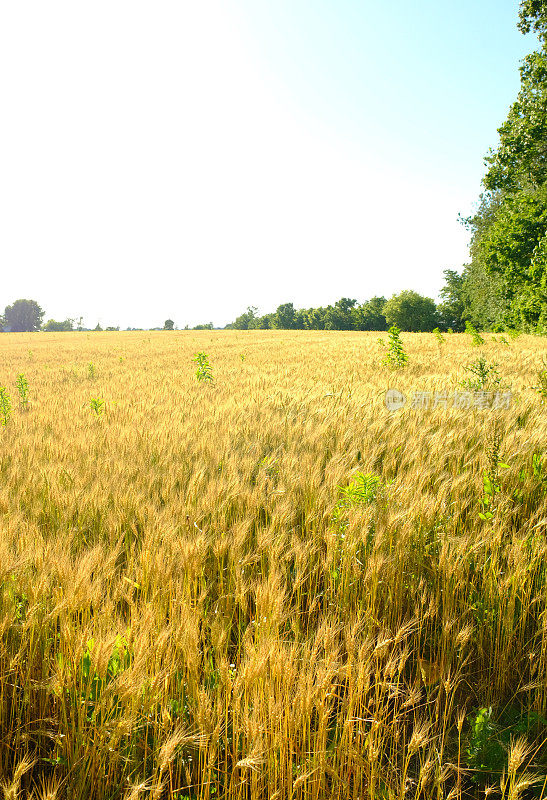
x: 270, y: 586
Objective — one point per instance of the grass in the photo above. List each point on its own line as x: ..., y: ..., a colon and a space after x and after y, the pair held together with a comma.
x: 270, y: 587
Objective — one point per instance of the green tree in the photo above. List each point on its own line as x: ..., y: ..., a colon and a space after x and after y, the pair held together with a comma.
x: 513, y: 247
x: 520, y: 160
x: 315, y: 319
x: 452, y: 310
x: 332, y: 319
x: 344, y: 314
x: 484, y: 293
x: 506, y: 280
x: 168, y: 325
x: 370, y: 315
x: 410, y: 311
x: 54, y: 325
x: 533, y: 16
x: 23, y: 315
x: 284, y: 317
x: 264, y: 322
x: 246, y: 320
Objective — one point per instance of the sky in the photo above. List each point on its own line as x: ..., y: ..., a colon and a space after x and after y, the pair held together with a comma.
x: 185, y: 159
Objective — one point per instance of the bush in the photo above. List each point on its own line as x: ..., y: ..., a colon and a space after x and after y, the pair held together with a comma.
x: 409, y: 311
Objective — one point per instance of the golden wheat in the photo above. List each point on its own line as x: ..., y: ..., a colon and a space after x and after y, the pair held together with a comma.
x: 187, y: 610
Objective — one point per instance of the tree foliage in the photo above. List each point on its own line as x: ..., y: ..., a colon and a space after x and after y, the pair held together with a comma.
x: 533, y: 17
x: 451, y: 311
x: 285, y: 317
x: 23, y: 315
x: 409, y: 311
x: 56, y: 325
x: 505, y: 283
x: 345, y: 315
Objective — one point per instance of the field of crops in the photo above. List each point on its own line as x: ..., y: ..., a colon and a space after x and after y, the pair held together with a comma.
x: 268, y: 585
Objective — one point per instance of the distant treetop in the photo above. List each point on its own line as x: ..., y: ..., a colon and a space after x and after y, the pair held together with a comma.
x: 23, y: 315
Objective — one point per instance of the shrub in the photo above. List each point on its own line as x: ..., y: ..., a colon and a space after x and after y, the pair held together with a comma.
x: 22, y: 387
x: 396, y: 356
x: 5, y: 406
x: 476, y: 338
x: 204, y: 370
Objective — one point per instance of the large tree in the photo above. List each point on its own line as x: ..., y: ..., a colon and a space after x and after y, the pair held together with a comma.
x: 23, y: 315
x: 533, y: 16
x: 452, y: 309
x: 411, y: 311
x: 509, y: 230
x: 284, y: 316
x: 246, y: 320
x: 370, y: 315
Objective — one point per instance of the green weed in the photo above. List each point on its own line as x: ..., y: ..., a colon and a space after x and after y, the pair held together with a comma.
x: 485, y: 376
x: 97, y: 405
x: 93, y: 683
x: 363, y: 489
x: 204, y: 370
x: 22, y: 387
x: 5, y: 406
x: 476, y: 338
x: 541, y: 388
x: 396, y: 356
x: 491, y: 485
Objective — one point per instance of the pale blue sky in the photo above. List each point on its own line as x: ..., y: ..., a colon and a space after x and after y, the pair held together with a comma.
x: 411, y: 80
x: 183, y: 159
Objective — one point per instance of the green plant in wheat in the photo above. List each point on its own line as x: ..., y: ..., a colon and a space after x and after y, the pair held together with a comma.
x: 5, y: 406
x: 494, y: 738
x: 22, y: 387
x: 485, y: 754
x: 541, y: 388
x: 476, y: 338
x: 94, y: 683
x: 439, y: 338
x: 91, y: 371
x: 490, y: 478
x: 396, y: 356
x: 363, y: 489
x: 204, y: 371
x: 97, y: 405
x: 484, y: 375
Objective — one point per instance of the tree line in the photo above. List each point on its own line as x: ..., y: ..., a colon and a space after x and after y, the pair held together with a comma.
x: 505, y: 282
x: 408, y: 310
x: 27, y: 316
